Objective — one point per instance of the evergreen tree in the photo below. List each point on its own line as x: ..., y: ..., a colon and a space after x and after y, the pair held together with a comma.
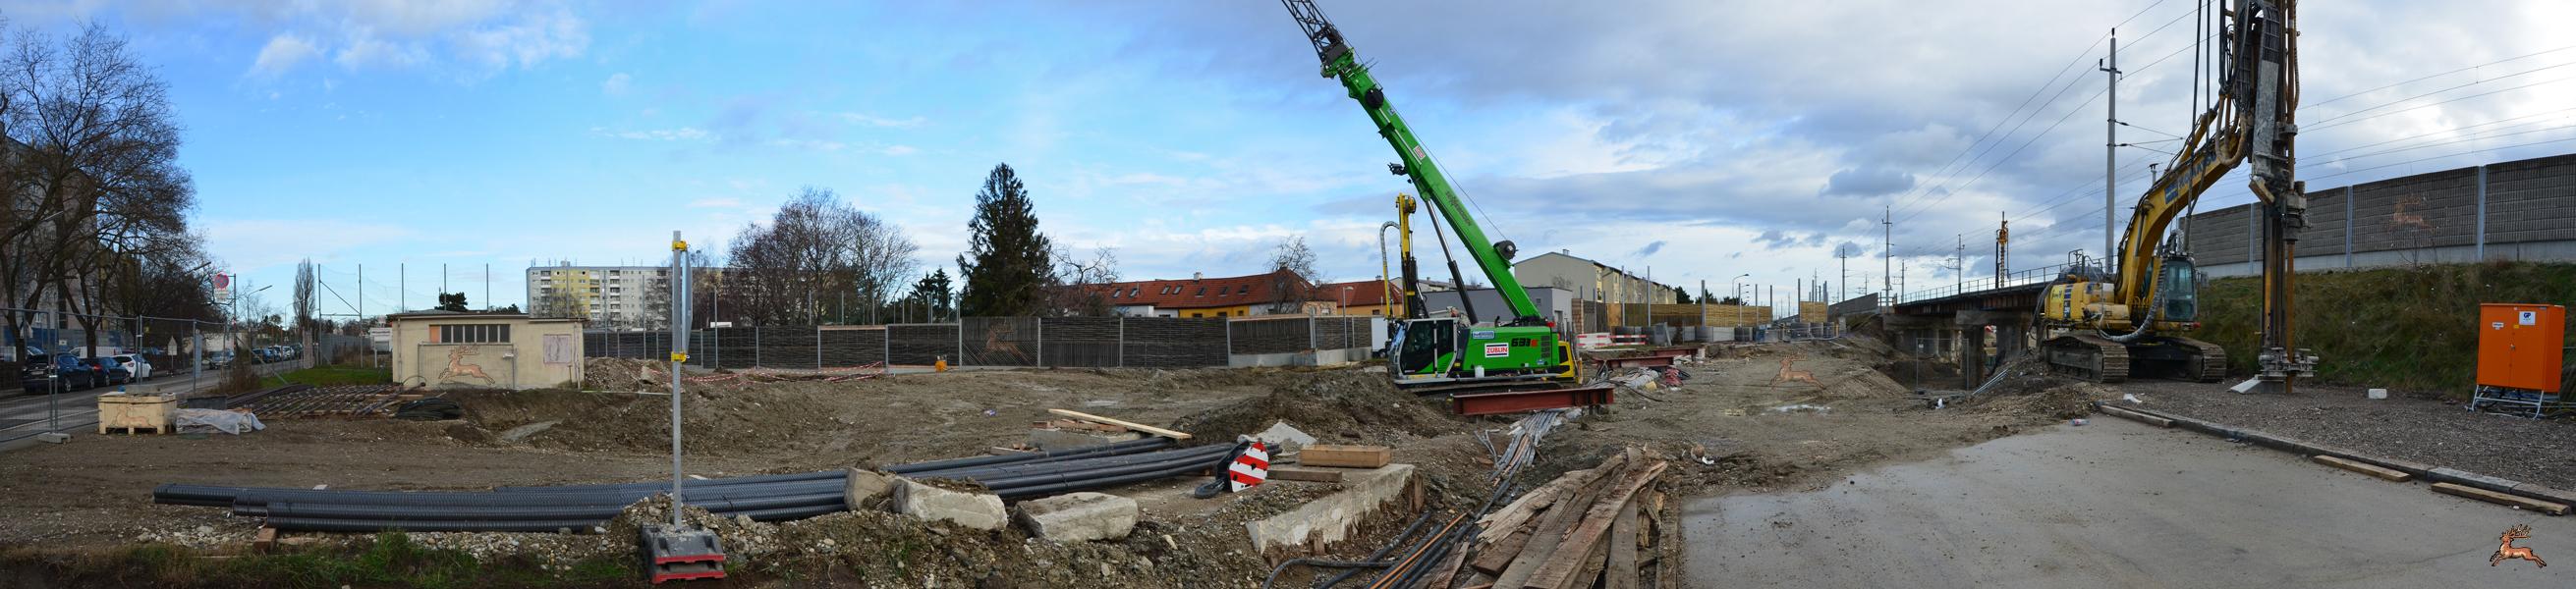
x: 452, y: 301
x: 1006, y: 266
x: 932, y: 296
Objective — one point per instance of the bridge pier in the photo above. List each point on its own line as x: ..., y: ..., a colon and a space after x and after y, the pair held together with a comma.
x: 2010, y: 333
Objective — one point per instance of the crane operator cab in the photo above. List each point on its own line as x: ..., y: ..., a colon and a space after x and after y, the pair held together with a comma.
x: 2181, y: 291
x: 1448, y: 350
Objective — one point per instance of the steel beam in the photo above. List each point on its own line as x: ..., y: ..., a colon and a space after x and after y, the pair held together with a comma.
x: 1523, y: 401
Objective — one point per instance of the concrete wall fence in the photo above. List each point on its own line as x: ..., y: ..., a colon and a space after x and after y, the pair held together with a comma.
x: 2518, y: 211
x: 1093, y: 342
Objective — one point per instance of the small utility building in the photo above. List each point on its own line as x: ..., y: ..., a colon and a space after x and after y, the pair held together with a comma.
x: 448, y: 349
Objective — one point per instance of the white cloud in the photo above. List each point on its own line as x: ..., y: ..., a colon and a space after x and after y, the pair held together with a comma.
x: 715, y: 203
x: 281, y: 54
x: 365, y: 50
x: 898, y: 150
x: 617, y: 84
x: 536, y: 38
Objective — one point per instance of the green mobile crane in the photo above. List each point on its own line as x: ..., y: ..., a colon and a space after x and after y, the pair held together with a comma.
x: 1445, y: 351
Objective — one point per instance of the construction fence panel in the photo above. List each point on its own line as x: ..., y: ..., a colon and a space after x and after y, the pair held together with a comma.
x: 1279, y: 335
x: 848, y: 346
x: 1000, y: 341
x: 733, y: 347
x: 790, y: 346
x: 1090, y: 342
x: 1331, y: 333
x: 1172, y: 342
x: 920, y: 344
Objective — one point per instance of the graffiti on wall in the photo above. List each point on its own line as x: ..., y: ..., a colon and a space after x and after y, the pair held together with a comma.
x: 458, y: 368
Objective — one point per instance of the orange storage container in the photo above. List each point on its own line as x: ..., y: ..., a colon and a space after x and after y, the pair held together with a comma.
x: 2520, y: 346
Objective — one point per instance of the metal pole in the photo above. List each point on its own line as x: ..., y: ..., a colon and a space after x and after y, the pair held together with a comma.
x: 679, y: 353
x: 2110, y: 153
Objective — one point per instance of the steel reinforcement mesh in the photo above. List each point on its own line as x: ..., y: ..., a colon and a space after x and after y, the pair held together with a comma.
x: 1090, y: 342
x: 920, y: 344
x: 1000, y: 341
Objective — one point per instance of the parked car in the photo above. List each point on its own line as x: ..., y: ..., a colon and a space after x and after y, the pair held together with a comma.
x: 107, y: 370
x: 61, y: 372
x: 135, y: 363
x: 218, y: 360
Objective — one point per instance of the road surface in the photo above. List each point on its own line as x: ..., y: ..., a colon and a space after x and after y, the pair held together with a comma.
x: 24, y: 416
x: 2115, y: 504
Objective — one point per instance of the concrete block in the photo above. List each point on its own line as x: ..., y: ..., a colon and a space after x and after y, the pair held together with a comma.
x: 1331, y: 518
x: 1065, y: 439
x: 982, y: 511
x: 865, y: 486
x: 1079, y: 517
x: 1284, y: 439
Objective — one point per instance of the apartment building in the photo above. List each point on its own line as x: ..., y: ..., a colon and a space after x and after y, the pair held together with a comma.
x: 608, y: 296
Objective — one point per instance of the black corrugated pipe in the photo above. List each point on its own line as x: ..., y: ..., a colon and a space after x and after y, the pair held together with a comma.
x: 307, y: 524
x: 1065, y: 465
x: 256, y: 499
x: 1129, y: 446
x: 1033, y: 479
x: 1372, y: 557
x: 531, y: 512
x: 729, y: 481
x: 1089, y: 484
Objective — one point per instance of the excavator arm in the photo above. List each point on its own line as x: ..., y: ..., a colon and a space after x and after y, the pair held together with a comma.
x: 1494, y: 259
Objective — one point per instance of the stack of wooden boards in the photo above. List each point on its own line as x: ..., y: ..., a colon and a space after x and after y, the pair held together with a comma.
x: 1602, y: 525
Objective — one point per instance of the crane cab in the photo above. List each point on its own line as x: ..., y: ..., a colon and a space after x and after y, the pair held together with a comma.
x: 1450, y: 350
x: 2098, y: 304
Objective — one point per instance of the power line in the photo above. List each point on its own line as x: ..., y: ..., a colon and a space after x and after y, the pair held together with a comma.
x: 2330, y: 121
x: 2514, y: 58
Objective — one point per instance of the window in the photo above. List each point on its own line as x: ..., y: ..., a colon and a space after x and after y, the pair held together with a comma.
x: 1203, y: 291
x: 471, y: 334
x: 1220, y: 313
x: 1131, y: 292
x: 1247, y: 289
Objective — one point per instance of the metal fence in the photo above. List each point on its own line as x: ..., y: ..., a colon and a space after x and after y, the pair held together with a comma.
x: 1096, y: 342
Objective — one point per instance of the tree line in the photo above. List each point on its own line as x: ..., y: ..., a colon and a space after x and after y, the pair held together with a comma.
x: 93, y: 203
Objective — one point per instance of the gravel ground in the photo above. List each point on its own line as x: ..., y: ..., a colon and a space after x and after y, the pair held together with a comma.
x: 2407, y: 427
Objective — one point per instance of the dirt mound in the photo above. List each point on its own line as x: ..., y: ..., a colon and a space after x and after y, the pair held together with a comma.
x: 1328, y: 404
x: 623, y: 374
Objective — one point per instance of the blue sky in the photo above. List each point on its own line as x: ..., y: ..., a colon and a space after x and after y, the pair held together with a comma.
x: 1702, y: 139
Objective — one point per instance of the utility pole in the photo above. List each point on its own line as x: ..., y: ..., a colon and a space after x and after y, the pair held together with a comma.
x: 442, y: 278
x: 1887, y: 255
x: 487, y: 286
x: 2110, y: 149
x: 402, y: 298
x: 1959, y: 263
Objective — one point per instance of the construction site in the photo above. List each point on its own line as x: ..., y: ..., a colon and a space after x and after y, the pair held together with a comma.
x: 2360, y: 382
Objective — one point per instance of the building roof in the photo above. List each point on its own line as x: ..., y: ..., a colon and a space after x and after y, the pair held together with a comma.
x: 440, y: 314
x: 1362, y: 293
x: 1201, y: 293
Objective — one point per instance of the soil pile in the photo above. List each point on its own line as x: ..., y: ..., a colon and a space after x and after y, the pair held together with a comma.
x: 1328, y: 404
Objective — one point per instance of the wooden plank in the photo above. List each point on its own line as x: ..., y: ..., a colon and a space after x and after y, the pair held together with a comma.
x: 1347, y: 456
x: 1621, y: 570
x: 1298, y: 473
x: 1503, y: 522
x: 265, y: 539
x: 2373, y: 470
x: 2501, y: 498
x: 1446, y: 570
x: 1544, y: 540
x: 1497, y: 555
x: 1127, y: 424
x: 1565, y: 563
x: 2135, y: 416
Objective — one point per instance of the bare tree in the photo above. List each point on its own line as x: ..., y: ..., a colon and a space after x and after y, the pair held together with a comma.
x: 816, y: 252
x: 89, y: 169
x: 1291, y: 289
x: 1078, y: 286
x: 304, y: 304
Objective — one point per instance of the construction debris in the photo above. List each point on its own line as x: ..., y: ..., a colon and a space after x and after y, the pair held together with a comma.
x: 1566, y: 533
x: 1346, y: 456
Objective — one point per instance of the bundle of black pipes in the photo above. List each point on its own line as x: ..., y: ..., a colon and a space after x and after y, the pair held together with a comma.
x: 763, y: 498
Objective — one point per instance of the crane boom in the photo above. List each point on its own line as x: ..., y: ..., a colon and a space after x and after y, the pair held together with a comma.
x: 1341, y: 63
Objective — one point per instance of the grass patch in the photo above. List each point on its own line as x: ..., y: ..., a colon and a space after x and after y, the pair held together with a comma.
x: 2412, y: 328
x: 391, y: 560
x: 324, y: 376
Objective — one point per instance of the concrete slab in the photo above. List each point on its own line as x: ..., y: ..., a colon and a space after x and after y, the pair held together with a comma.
x: 862, y: 488
x: 1079, y: 517
x: 1065, y: 439
x: 982, y: 511
x: 1329, y: 519
x: 2114, y: 504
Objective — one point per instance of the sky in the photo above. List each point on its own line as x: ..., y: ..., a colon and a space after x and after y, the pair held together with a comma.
x: 1697, y: 140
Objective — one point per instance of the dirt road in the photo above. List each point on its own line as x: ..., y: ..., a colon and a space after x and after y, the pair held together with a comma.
x: 2114, y: 504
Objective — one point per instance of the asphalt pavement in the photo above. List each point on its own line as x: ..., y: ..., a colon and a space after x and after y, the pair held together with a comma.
x: 25, y: 415
x: 2115, y: 504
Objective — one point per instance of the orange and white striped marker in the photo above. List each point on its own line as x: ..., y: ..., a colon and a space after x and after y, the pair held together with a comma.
x: 1249, y: 468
